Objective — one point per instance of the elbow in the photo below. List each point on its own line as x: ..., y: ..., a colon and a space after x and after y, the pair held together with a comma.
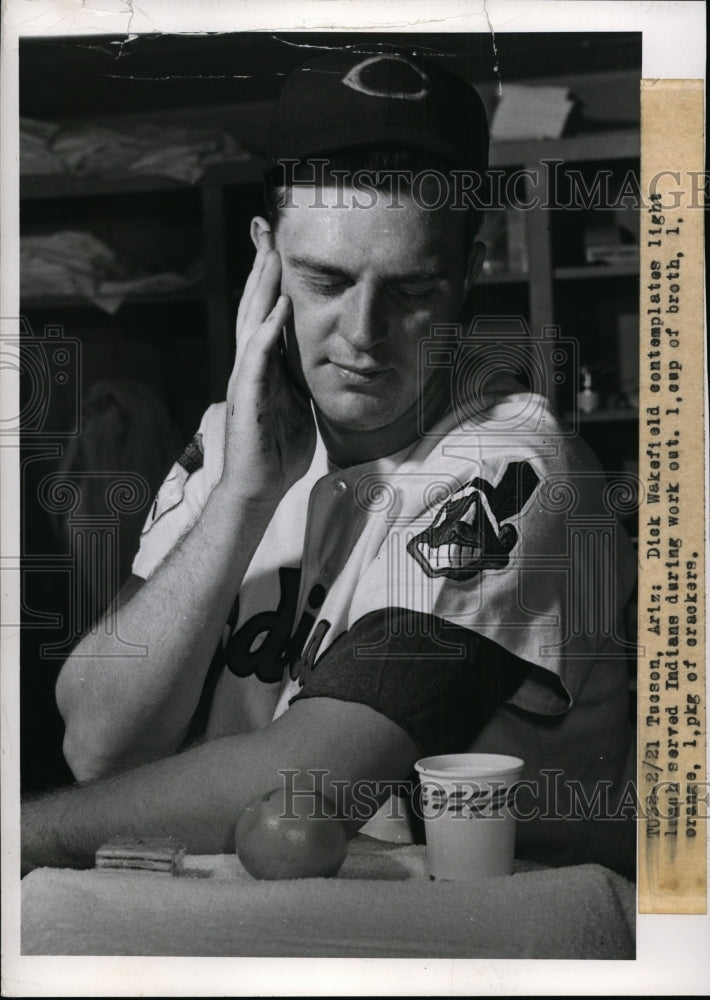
x: 93, y: 747
x: 68, y: 692
x: 77, y: 742
x: 91, y: 753
x: 105, y: 731
x: 96, y: 747
x: 84, y: 755
x: 84, y: 745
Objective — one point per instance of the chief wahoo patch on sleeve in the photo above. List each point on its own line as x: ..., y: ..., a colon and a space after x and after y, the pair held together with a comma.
x: 471, y: 530
x: 172, y: 490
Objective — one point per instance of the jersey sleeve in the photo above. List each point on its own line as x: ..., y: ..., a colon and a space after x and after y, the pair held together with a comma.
x: 181, y: 498
x: 439, y: 682
x: 517, y: 546
x: 527, y: 553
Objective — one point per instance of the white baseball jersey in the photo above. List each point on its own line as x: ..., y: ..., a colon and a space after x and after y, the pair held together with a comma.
x: 500, y: 524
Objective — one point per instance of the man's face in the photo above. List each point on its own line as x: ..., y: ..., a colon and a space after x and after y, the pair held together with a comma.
x: 366, y: 286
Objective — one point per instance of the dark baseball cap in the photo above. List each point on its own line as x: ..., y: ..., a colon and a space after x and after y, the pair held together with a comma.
x: 383, y: 97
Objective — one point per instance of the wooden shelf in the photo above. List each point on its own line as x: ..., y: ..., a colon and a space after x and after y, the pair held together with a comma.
x: 622, y: 269
x: 81, y: 302
x: 503, y: 277
x: 238, y: 172
x: 618, y: 144
x: 49, y: 186
x: 46, y: 187
x: 605, y: 416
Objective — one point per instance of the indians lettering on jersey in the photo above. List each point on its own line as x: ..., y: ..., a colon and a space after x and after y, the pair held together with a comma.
x: 266, y: 644
x: 471, y: 530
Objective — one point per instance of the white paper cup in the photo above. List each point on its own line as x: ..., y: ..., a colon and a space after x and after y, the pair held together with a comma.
x: 465, y: 803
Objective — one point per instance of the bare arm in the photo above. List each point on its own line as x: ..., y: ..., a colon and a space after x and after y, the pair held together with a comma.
x: 121, y: 711
x: 197, y: 795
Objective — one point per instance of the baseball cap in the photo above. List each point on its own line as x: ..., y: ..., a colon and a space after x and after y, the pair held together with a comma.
x: 379, y: 96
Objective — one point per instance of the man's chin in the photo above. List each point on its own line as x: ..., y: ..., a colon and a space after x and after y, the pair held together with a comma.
x: 356, y: 421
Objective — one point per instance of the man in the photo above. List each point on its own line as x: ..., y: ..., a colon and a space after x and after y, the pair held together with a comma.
x: 385, y: 544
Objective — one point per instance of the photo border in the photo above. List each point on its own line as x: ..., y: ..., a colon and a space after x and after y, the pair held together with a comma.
x: 673, y: 47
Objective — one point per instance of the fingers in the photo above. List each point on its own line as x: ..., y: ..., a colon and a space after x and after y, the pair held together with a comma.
x: 265, y: 293
x: 275, y: 322
x: 263, y: 341
x: 263, y: 300
x: 265, y: 245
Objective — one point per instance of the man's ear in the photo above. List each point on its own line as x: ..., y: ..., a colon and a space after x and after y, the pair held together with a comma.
x: 258, y: 226
x: 476, y: 256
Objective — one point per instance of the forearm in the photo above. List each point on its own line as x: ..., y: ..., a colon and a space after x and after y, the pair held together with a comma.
x: 122, y: 710
x: 194, y: 796
x: 197, y: 796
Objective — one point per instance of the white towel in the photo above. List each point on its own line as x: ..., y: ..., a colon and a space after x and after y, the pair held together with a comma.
x: 382, y: 904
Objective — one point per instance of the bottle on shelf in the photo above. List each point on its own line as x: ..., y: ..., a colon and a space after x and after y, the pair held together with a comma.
x: 588, y: 399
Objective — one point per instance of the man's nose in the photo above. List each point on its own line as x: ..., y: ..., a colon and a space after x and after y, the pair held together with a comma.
x: 364, y: 322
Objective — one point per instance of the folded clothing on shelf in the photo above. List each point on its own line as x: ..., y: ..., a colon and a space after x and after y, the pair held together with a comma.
x: 73, y: 262
x: 36, y: 156
x: 97, y: 149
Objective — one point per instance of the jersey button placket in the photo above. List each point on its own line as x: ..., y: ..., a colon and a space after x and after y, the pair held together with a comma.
x: 336, y: 515
x: 339, y: 487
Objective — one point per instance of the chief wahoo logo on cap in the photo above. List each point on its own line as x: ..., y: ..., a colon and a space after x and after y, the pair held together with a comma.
x: 355, y: 78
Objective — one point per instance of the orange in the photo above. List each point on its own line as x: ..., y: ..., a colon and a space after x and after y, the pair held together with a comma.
x: 305, y: 843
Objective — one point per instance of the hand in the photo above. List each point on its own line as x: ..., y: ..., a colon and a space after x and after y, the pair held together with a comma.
x: 270, y: 431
